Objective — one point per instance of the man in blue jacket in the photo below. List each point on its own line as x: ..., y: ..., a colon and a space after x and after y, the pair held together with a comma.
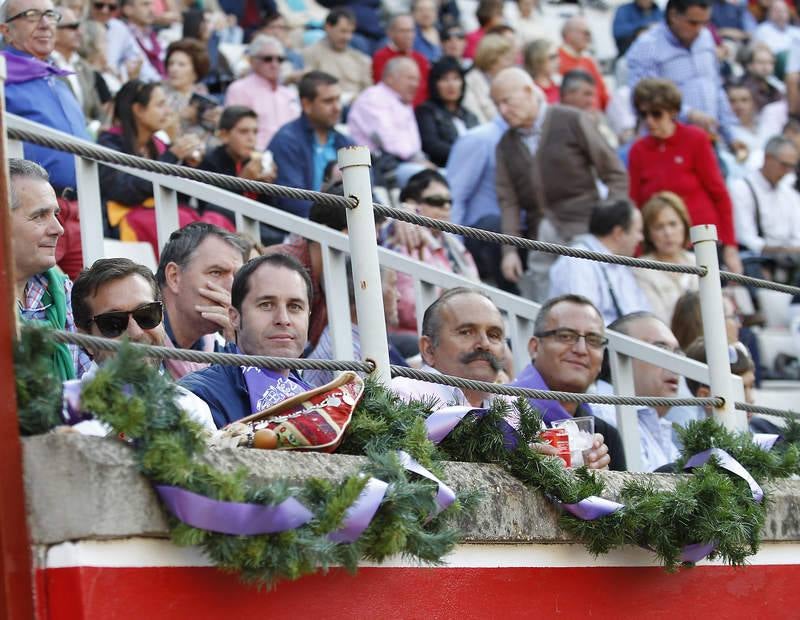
x: 304, y: 147
x: 270, y: 308
x: 34, y: 88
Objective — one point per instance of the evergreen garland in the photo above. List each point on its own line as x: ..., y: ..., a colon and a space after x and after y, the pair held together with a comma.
x: 129, y: 395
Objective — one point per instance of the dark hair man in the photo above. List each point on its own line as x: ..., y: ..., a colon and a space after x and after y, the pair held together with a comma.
x: 304, y: 147
x: 578, y: 90
x: 682, y: 49
x: 614, y: 228
x: 334, y: 55
x: 42, y: 290
x: 566, y: 356
x: 195, y: 274
x: 657, y: 443
x: 270, y: 309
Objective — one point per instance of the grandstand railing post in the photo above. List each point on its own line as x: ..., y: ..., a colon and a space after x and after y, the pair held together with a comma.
x: 704, y: 240
x: 627, y: 416
x: 334, y: 276
x: 167, y: 220
x: 354, y: 162
x: 91, y: 205
x: 425, y: 294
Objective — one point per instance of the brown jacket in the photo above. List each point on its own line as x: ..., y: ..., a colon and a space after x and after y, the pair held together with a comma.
x: 559, y: 181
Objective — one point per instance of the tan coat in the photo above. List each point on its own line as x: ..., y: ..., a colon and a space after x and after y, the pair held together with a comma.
x: 352, y: 68
x: 559, y: 181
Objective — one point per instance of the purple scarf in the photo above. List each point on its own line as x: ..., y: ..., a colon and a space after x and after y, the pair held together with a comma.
x: 24, y: 68
x: 552, y: 410
x: 267, y: 387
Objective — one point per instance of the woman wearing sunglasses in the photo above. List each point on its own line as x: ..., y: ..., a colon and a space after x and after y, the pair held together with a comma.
x: 679, y: 158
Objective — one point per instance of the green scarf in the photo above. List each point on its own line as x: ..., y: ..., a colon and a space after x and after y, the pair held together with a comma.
x: 55, y: 302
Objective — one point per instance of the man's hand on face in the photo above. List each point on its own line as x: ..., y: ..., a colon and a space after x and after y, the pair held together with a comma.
x: 598, y: 457
x: 217, y: 312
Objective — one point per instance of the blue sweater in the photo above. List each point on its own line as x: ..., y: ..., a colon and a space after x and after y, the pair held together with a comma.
x: 48, y: 101
x: 293, y: 150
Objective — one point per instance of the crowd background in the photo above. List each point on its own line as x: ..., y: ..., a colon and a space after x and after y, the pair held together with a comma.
x: 499, y: 115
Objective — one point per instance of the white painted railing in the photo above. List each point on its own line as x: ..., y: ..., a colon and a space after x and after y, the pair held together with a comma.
x: 518, y: 312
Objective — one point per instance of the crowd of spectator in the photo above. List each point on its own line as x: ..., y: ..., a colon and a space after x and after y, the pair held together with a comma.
x: 511, y: 127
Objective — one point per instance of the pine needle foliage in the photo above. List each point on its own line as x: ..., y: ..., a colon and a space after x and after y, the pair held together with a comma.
x: 129, y: 395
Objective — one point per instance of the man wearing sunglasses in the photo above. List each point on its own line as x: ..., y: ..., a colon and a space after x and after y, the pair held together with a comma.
x: 262, y: 90
x: 117, y: 298
x: 32, y: 87
x: 566, y: 356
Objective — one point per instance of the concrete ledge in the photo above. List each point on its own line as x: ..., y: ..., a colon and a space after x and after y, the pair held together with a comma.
x: 81, y: 487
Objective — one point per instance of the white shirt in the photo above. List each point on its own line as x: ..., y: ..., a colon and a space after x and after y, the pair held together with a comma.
x: 776, y: 39
x: 779, y: 209
x: 603, y: 283
x: 658, y: 448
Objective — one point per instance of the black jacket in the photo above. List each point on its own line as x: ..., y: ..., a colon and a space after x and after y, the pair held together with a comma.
x: 437, y: 130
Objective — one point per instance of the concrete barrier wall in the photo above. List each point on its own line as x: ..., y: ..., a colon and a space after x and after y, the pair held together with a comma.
x: 86, y: 488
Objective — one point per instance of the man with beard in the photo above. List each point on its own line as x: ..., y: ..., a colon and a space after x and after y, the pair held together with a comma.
x: 117, y: 298
x: 463, y: 335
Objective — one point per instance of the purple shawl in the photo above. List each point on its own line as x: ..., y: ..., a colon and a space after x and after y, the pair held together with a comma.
x: 22, y: 67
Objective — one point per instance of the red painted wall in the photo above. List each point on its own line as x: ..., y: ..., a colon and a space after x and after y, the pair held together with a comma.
x: 771, y: 591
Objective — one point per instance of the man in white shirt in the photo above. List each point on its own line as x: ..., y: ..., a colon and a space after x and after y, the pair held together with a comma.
x: 766, y: 206
x: 655, y: 430
x: 615, y: 228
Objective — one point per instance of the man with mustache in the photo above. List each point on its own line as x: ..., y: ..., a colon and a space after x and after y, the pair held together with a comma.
x: 118, y: 298
x: 42, y: 290
x: 655, y: 430
x: 567, y: 352
x: 463, y: 335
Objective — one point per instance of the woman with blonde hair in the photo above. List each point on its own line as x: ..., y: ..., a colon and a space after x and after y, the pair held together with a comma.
x: 495, y: 53
x: 666, y: 233
x: 541, y: 62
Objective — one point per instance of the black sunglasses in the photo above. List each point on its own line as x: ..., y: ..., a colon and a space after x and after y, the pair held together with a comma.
x: 100, y: 6
x: 112, y: 324
x: 271, y: 58
x: 657, y: 115
x: 73, y: 26
x: 437, y: 201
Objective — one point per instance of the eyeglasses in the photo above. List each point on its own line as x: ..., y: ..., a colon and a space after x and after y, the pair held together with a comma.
x: 112, y: 324
x: 271, y: 58
x: 103, y: 6
x: 655, y: 114
x: 35, y: 15
x: 454, y: 35
x: 553, y: 56
x: 73, y: 26
x: 567, y: 336
x: 439, y: 202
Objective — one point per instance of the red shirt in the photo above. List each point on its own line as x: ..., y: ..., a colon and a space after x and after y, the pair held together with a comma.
x: 386, y: 53
x: 472, y: 39
x: 684, y: 163
x: 567, y: 62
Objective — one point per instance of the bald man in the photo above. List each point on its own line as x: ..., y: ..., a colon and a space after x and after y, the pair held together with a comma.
x: 574, y: 53
x: 558, y: 190
x: 382, y: 117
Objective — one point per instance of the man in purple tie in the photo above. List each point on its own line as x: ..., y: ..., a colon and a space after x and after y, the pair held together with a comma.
x: 270, y: 308
x: 567, y: 352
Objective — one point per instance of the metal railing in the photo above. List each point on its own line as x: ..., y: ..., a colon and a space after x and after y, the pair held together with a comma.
x: 519, y: 313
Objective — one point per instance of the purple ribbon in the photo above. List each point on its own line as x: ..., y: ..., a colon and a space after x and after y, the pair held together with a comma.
x: 765, y: 441
x: 726, y: 461
x: 360, y: 513
x: 444, y: 496
x: 592, y: 507
x: 71, y: 411
x: 696, y: 552
x: 442, y: 421
x: 235, y: 518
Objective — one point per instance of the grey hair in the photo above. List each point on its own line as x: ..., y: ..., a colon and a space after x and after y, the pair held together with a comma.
x: 432, y: 319
x: 23, y: 169
x: 776, y: 143
x: 262, y: 41
x: 395, y: 64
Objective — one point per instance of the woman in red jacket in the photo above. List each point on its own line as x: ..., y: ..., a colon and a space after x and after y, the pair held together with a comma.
x: 679, y: 158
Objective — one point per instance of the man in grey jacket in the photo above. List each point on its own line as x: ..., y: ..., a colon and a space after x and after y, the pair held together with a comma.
x: 553, y: 167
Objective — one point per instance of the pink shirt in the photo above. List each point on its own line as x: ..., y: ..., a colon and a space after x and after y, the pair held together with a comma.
x: 275, y: 106
x: 380, y: 120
